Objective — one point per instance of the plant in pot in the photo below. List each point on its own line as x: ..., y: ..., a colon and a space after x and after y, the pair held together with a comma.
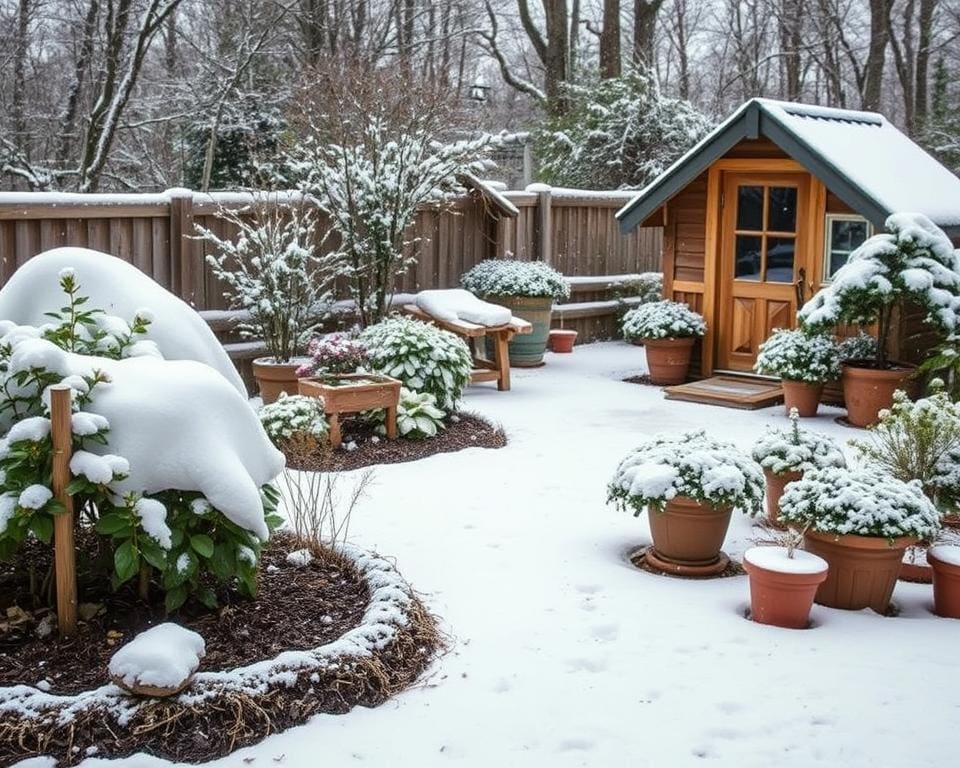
x: 785, y: 454
x: 690, y: 484
x: 944, y: 560
x: 914, y: 261
x: 860, y: 521
x: 804, y: 362
x: 273, y: 273
x: 668, y: 330
x: 528, y: 289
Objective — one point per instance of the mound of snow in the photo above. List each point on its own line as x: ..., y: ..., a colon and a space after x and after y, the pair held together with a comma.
x: 119, y: 289
x: 164, y: 657
x: 456, y: 304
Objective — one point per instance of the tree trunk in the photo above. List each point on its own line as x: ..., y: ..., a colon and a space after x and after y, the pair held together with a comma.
x: 19, y: 105
x: 644, y: 27
x: 877, y: 52
x: 610, y: 40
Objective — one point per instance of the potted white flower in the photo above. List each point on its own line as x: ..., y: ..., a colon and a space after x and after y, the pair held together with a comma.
x: 528, y: 289
x: 785, y: 454
x: 668, y: 330
x: 861, y: 522
x: 690, y: 484
x: 804, y: 362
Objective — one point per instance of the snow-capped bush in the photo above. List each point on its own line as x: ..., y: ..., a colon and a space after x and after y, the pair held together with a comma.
x: 508, y: 277
x: 425, y: 358
x: 796, y: 450
x: 418, y: 416
x: 293, y: 417
x: 333, y: 354
x: 797, y: 356
x: 913, y: 261
x: 662, y: 320
x: 864, y: 502
x: 650, y: 287
x: 862, y: 346
x: 689, y: 464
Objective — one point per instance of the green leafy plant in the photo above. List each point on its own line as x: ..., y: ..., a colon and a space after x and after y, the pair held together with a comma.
x: 294, y: 417
x: 418, y: 416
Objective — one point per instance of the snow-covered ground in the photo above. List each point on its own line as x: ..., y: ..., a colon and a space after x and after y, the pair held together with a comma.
x: 565, y: 655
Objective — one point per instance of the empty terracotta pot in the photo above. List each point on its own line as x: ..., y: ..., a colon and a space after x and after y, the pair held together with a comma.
x: 867, y: 391
x: 945, y: 561
x: 561, y: 340
x: 801, y: 395
x: 782, y: 588
x: 668, y: 360
x: 775, y: 486
x: 688, y: 533
x: 863, y: 569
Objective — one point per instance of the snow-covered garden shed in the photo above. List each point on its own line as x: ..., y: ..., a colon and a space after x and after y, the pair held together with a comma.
x: 760, y: 214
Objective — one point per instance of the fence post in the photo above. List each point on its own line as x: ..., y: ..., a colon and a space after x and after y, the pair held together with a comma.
x: 544, y: 223
x: 65, y: 567
x: 182, y: 274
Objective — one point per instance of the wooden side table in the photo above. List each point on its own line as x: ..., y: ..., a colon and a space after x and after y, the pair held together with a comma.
x: 353, y: 393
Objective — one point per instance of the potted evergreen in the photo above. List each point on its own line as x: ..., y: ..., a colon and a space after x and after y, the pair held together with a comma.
x: 785, y: 454
x: 528, y: 289
x: 804, y: 362
x: 690, y: 484
x: 913, y: 261
x: 668, y: 330
x: 861, y: 522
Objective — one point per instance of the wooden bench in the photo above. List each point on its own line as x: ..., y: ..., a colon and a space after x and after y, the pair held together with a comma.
x: 498, y: 369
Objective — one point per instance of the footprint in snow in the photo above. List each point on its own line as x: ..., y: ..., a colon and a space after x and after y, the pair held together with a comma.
x: 575, y: 744
x: 502, y: 686
x: 606, y: 632
x: 587, y: 665
x: 588, y: 589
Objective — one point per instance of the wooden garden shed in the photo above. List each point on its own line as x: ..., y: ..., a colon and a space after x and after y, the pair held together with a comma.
x: 759, y: 214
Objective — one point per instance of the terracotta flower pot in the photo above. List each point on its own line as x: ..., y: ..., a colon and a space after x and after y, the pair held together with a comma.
x: 687, y: 535
x: 803, y: 396
x: 863, y: 569
x: 775, y: 486
x: 668, y: 360
x: 561, y: 340
x: 274, y: 378
x: 945, y: 560
x: 782, y: 587
x: 867, y: 391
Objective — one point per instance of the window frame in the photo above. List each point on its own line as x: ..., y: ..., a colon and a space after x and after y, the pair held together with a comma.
x: 828, y: 239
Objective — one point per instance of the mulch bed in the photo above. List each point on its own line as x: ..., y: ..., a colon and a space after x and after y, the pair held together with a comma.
x: 295, y: 609
x: 468, y: 431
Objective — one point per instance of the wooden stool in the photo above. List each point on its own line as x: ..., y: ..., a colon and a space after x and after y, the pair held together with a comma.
x: 370, y: 392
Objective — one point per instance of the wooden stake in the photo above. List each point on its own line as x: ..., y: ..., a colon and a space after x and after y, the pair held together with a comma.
x: 65, y: 565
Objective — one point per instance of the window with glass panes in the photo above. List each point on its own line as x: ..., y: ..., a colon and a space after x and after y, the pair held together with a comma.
x: 766, y: 233
x: 844, y: 234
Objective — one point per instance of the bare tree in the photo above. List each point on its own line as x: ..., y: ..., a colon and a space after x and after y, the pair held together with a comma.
x: 610, y: 39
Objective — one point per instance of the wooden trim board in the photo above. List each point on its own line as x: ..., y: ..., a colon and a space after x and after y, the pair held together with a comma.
x: 730, y: 391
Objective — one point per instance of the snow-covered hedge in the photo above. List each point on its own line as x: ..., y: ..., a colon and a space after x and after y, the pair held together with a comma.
x: 335, y: 353
x: 798, y: 356
x: 507, y: 277
x: 425, y: 358
x: 662, y: 320
x: 864, y: 502
x: 689, y: 464
x: 796, y: 450
x: 294, y: 416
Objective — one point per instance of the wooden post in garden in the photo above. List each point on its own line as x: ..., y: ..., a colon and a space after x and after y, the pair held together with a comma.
x: 65, y: 566
x: 544, y: 224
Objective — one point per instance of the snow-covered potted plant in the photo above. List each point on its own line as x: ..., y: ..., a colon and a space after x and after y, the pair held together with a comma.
x: 668, y: 330
x: 785, y: 454
x: 690, y: 484
x: 528, y: 289
x: 944, y: 560
x: 860, y: 521
x: 273, y: 272
x: 913, y: 261
x: 783, y: 582
x: 804, y: 362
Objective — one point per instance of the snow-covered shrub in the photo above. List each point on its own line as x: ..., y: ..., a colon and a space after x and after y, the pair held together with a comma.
x: 861, y: 346
x: 508, y: 277
x: 418, y: 416
x: 333, y: 354
x: 944, y: 364
x: 796, y: 450
x: 662, y: 320
x: 798, y: 356
x: 650, y: 287
x: 914, y: 260
x: 864, y: 502
x: 619, y: 132
x: 294, y: 417
x: 273, y: 271
x: 425, y: 358
x: 689, y: 464
x: 918, y: 441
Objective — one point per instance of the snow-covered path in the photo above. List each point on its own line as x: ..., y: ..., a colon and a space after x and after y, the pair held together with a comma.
x: 565, y: 655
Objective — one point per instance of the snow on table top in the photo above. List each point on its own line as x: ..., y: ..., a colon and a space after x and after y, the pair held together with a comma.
x: 776, y: 559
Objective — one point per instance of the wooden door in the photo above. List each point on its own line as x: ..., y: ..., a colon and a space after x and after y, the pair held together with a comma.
x: 766, y: 261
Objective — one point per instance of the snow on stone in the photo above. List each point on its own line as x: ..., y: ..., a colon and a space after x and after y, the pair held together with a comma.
x: 120, y: 289
x: 299, y: 558
x: 162, y: 657
x: 456, y: 304
x: 34, y: 496
x: 777, y: 559
x: 153, y: 520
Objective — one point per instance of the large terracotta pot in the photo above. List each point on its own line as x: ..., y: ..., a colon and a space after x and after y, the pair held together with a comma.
x: 274, y: 378
x: 775, y: 486
x: 863, y: 569
x: 526, y: 350
x: 801, y: 395
x: 945, y: 561
x: 561, y: 340
x: 867, y: 391
x: 687, y: 536
x: 782, y: 587
x: 668, y: 360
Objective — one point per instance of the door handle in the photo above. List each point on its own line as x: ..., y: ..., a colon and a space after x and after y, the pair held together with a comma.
x: 799, y: 285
